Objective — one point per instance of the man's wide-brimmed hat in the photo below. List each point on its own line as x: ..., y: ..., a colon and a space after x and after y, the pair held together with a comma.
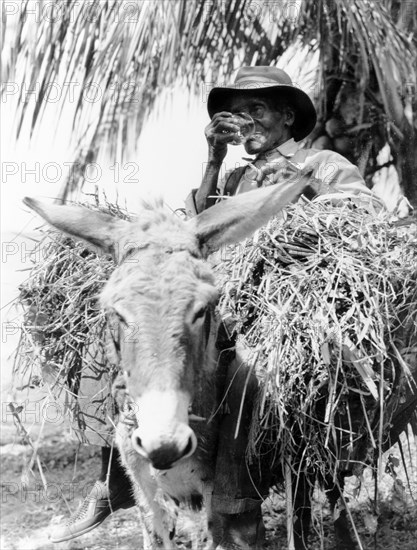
x: 269, y: 82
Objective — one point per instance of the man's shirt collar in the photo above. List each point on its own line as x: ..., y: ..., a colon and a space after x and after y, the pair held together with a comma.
x: 286, y: 149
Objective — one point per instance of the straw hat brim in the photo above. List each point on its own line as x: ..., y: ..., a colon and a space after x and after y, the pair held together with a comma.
x: 305, y: 113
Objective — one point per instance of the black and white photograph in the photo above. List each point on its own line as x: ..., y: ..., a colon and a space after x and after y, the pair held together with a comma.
x: 208, y: 275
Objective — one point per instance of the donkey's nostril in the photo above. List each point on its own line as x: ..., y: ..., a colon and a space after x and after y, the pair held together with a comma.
x: 137, y: 444
x: 191, y: 446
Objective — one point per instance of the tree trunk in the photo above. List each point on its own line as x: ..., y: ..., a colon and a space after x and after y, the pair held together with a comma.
x: 407, y: 163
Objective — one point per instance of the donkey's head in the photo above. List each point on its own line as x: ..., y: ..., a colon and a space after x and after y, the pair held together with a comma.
x: 164, y: 291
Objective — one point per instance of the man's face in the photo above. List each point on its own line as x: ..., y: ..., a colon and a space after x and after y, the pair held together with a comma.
x: 271, y: 129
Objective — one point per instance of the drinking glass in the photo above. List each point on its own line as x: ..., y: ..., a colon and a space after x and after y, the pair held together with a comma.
x: 246, y: 128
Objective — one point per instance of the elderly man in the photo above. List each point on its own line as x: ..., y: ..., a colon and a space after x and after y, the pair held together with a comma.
x: 283, y: 116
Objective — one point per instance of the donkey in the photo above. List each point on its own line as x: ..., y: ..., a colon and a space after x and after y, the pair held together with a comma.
x: 164, y: 287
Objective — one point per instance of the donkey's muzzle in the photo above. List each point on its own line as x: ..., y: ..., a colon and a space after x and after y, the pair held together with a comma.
x: 162, y: 452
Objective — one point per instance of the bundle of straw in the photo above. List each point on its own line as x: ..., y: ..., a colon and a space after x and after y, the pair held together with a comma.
x: 325, y: 299
x: 62, y: 315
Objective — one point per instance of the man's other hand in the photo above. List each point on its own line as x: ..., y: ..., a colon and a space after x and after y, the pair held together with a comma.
x: 284, y: 170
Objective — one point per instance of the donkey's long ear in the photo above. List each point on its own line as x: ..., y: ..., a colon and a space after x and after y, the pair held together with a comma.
x: 98, y: 229
x: 238, y: 217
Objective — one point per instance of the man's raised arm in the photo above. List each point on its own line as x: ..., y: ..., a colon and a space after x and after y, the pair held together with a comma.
x: 219, y: 133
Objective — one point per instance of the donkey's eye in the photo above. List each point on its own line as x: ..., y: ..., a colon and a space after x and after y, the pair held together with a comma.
x: 199, y: 314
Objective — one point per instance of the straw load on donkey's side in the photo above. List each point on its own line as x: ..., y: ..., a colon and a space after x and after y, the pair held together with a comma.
x: 62, y: 313
x: 324, y: 298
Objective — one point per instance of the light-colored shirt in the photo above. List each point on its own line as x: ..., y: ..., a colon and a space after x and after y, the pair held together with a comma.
x: 333, y: 174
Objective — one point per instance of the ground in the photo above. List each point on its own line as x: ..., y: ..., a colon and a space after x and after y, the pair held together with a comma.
x: 27, y: 515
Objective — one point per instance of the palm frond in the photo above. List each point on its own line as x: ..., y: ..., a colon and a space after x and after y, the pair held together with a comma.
x: 115, y: 56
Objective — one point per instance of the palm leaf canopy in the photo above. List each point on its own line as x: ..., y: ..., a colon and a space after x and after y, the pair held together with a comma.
x: 122, y: 54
